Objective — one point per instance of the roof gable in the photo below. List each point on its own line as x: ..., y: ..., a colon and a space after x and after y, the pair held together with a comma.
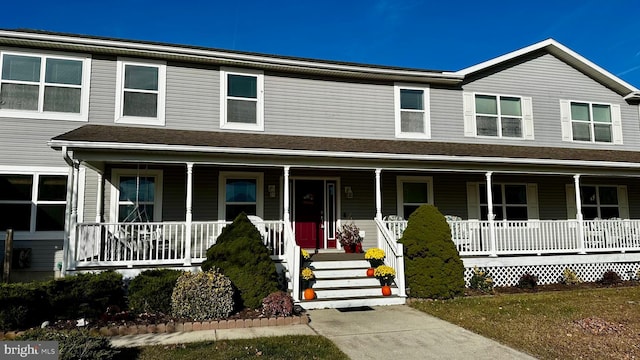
x: 567, y: 55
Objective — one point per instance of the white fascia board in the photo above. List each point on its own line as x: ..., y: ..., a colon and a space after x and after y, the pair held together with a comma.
x: 227, y: 56
x: 335, y: 154
x: 555, y: 48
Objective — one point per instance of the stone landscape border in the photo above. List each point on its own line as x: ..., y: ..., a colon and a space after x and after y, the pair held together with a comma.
x: 186, y: 326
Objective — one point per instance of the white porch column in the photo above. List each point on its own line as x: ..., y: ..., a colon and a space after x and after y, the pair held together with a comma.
x: 285, y: 197
x: 189, y: 214
x: 74, y: 215
x: 491, y: 216
x: 378, y: 195
x: 579, y: 217
x: 66, y: 247
x: 99, y: 197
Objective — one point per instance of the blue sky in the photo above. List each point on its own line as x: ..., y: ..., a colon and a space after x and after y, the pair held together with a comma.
x: 439, y: 35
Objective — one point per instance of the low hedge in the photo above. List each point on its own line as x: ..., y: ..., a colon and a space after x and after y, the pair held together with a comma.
x: 151, y: 291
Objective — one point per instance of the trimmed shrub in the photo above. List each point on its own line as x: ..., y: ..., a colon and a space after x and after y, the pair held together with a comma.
x: 202, y: 296
x: 240, y: 255
x: 278, y: 303
x: 527, y: 281
x: 151, y: 291
x: 85, y: 295
x: 432, y: 263
x: 76, y: 344
x: 610, y: 277
x: 23, y: 305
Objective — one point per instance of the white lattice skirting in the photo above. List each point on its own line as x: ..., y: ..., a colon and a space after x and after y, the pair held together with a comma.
x: 508, y: 274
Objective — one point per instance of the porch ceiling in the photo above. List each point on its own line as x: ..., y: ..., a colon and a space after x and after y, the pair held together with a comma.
x: 121, y: 138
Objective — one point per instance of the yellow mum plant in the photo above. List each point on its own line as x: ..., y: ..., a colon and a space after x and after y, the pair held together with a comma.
x: 385, y: 274
x: 307, y: 274
x: 305, y: 254
x: 374, y: 254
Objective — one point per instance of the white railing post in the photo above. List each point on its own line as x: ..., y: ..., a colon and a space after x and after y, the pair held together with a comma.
x: 491, y: 216
x: 285, y: 197
x: 189, y: 215
x: 579, y: 217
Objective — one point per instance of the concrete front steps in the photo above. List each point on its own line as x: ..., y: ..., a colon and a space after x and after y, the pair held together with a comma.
x: 342, y: 282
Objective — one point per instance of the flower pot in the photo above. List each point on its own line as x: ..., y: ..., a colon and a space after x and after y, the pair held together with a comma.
x: 358, y: 248
x: 386, y: 290
x: 309, y: 294
x: 349, y: 249
x: 370, y: 272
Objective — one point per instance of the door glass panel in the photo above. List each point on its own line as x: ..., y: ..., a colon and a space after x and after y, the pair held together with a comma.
x: 331, y: 210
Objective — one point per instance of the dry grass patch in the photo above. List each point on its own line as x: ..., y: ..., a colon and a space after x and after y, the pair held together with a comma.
x: 584, y: 324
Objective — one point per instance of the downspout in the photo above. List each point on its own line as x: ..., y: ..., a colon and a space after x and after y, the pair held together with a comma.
x: 71, y: 215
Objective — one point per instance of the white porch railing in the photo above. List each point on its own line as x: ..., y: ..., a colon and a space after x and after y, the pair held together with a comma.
x: 387, y: 241
x: 158, y: 243
x: 471, y: 237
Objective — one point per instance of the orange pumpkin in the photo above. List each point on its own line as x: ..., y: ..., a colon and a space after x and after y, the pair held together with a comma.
x: 370, y: 272
x: 386, y: 290
x: 309, y: 294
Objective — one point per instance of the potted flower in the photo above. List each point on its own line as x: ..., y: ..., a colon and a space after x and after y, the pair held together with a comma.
x: 385, y: 274
x: 349, y: 238
x: 305, y: 255
x: 375, y: 256
x: 307, y: 276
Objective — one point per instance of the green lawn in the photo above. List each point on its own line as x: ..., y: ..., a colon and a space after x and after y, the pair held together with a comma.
x: 586, y: 324
x: 282, y: 347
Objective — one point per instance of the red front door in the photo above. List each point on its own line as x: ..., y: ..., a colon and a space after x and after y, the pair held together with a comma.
x: 308, y: 213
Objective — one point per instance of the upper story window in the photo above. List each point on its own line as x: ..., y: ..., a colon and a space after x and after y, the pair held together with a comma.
x: 591, y: 122
x: 44, y: 86
x: 140, y: 96
x: 412, y: 111
x: 504, y: 116
x: 241, y: 99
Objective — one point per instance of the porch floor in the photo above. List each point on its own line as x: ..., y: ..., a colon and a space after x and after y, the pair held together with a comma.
x: 336, y: 256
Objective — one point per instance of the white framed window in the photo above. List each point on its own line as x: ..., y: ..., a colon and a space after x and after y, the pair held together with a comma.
x: 136, y: 195
x: 511, y: 201
x: 33, y: 201
x: 495, y: 115
x: 591, y: 122
x: 140, y: 92
x: 413, y: 191
x: 598, y: 201
x: 240, y: 192
x: 46, y: 86
x: 241, y: 99
x: 412, y: 118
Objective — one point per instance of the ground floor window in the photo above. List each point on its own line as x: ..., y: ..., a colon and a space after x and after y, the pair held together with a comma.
x: 413, y: 191
x: 599, y: 201
x: 240, y: 192
x: 509, y: 201
x: 33, y: 202
x: 137, y: 195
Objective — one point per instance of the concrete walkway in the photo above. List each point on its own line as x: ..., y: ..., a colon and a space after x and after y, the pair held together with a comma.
x: 401, y: 332
x: 384, y: 332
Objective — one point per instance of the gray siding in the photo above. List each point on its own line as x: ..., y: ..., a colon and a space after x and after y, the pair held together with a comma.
x: 102, y: 100
x: 193, y: 98
x: 547, y: 80
x: 43, y: 253
x: 90, y: 195
x: 318, y: 107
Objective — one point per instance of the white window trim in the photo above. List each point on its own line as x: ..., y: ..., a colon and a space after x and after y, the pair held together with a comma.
x: 401, y: 180
x: 52, y: 115
x: 567, y: 122
x: 598, y: 206
x: 470, y: 116
x: 426, y: 111
x: 115, y: 191
x: 159, y: 120
x: 259, y: 75
x: 222, y: 191
x: 35, y: 173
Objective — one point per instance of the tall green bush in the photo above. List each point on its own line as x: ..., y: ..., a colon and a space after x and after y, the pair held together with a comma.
x: 23, y: 305
x: 433, y: 268
x: 151, y: 291
x: 240, y: 254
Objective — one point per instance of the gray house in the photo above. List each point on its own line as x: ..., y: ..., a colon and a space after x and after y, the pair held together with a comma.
x: 129, y: 155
